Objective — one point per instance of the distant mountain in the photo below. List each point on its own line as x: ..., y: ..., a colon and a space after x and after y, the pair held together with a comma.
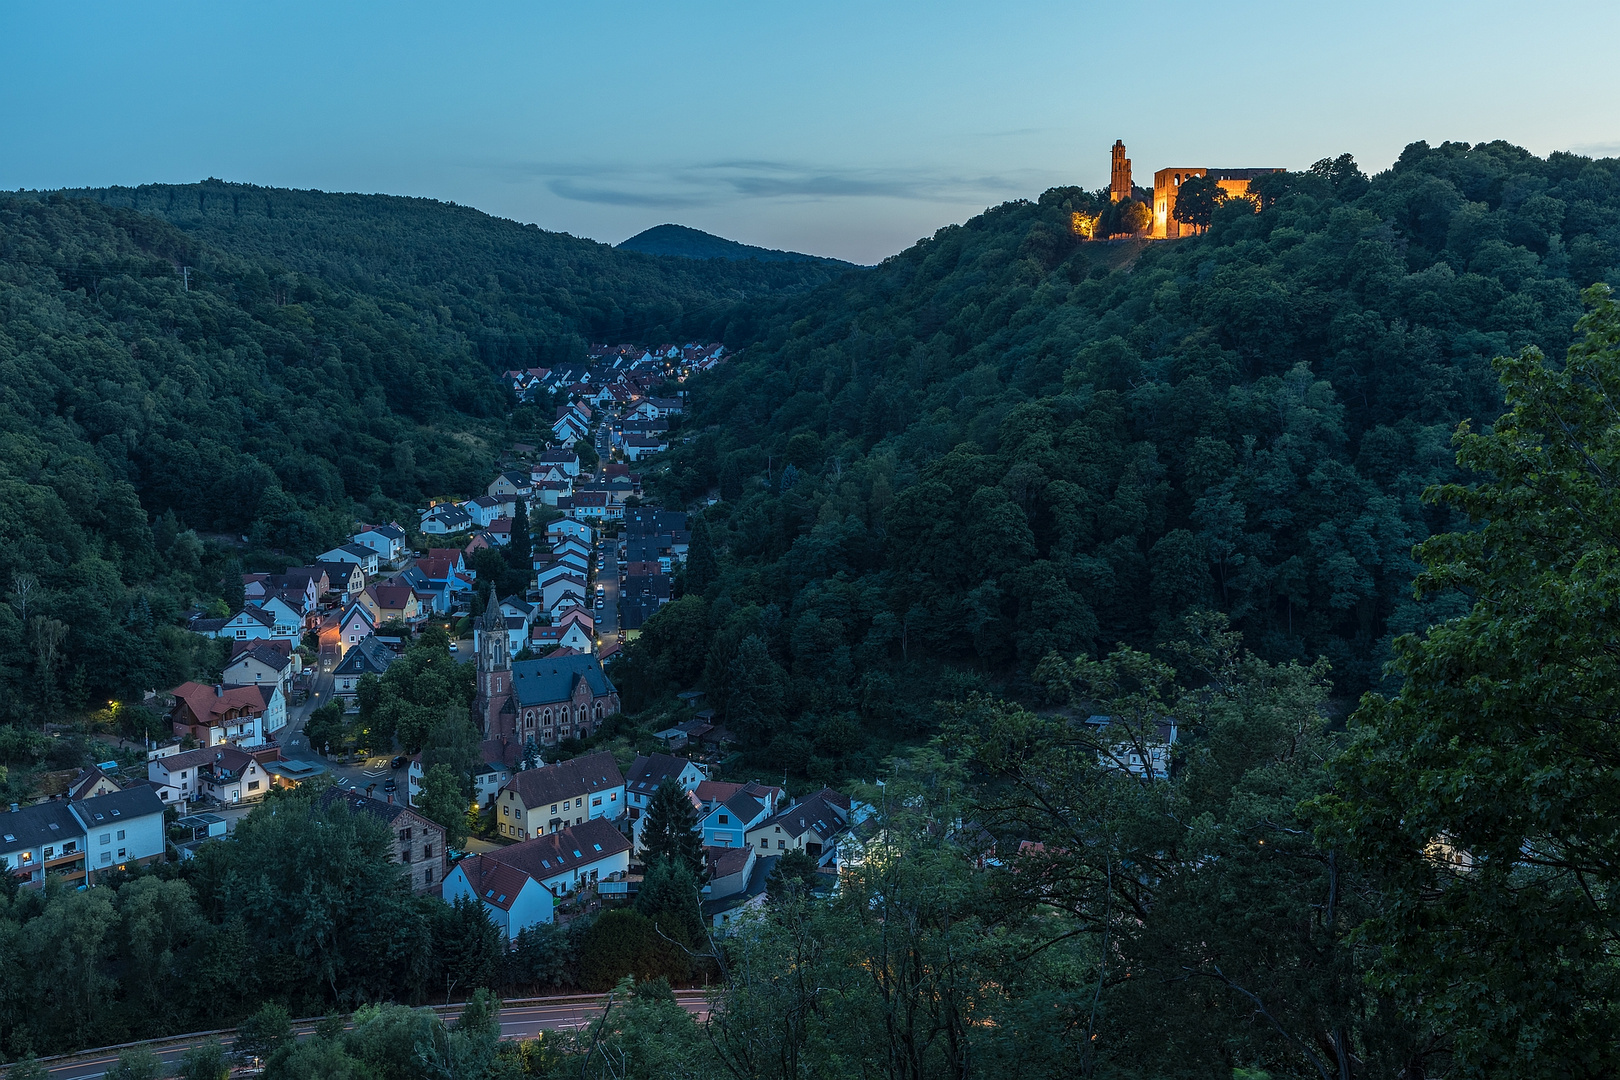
x: 697, y: 244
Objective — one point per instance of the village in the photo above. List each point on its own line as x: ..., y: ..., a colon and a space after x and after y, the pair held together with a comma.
x: 569, y: 830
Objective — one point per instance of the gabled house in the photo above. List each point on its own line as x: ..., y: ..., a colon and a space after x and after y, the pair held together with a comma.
x: 446, y: 519
x: 730, y: 810
x: 368, y: 656
x: 511, y: 898
x: 75, y: 841
x: 254, y: 624
x: 89, y: 783
x: 260, y: 664
x: 554, y: 592
x: 484, y: 509
x: 566, y: 529
x: 552, y: 797
x: 813, y: 825
x: 367, y: 559
x: 220, y: 772
x: 286, y: 607
x: 357, y: 623
x: 570, y: 635
x: 512, y: 484
x: 499, y: 532
x: 309, y: 582
x: 566, y: 460
x: 213, y: 714
x: 391, y: 602
x: 571, y: 858
x: 637, y: 447
x: 346, y: 579
x: 388, y: 541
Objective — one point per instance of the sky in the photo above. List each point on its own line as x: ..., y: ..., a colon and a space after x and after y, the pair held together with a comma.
x: 842, y: 129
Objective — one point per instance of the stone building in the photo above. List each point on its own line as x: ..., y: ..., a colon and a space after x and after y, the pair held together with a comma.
x: 546, y: 700
x: 1167, y: 182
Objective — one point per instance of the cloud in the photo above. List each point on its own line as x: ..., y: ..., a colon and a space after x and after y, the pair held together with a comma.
x: 717, y: 182
x: 1597, y: 150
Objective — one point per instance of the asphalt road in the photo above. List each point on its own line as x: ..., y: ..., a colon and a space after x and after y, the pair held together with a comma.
x: 518, y: 1021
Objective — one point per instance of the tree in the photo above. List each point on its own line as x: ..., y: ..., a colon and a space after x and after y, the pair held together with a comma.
x: 702, y: 566
x: 137, y: 1063
x: 757, y: 688
x: 625, y: 942
x: 205, y: 1061
x: 520, y: 551
x: 1483, y: 790
x: 468, y: 945
x: 1196, y: 200
x: 263, y: 1033
x: 670, y: 896
x: 28, y: 1068
x: 671, y: 828
x: 1132, y: 217
x: 588, y: 459
x: 444, y: 801
x: 793, y: 876
x: 325, y: 727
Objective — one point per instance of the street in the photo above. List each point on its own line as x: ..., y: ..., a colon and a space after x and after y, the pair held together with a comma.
x: 607, y: 572
x: 524, y: 1019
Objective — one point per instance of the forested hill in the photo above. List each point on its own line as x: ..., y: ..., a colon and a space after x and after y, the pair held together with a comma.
x: 321, y: 358
x: 520, y: 294
x: 1005, y: 442
x: 696, y: 244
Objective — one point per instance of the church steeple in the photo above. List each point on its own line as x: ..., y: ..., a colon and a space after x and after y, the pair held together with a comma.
x: 1119, y: 179
x: 494, y: 667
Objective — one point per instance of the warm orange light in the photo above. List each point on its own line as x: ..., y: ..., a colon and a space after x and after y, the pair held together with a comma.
x: 1084, y: 225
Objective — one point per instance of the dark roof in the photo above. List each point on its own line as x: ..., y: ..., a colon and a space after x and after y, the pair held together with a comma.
x: 207, y: 626
x: 745, y: 806
x: 366, y: 655
x: 272, y: 658
x: 361, y: 804
x: 133, y: 802
x: 819, y: 813
x: 43, y: 823
x: 648, y: 770
x: 566, y: 779
x: 539, y: 682
x: 564, y: 850
x: 500, y: 754
x: 494, y: 882
x: 388, y: 531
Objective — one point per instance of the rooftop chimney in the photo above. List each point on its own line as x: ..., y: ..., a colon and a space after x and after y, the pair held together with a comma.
x: 219, y: 690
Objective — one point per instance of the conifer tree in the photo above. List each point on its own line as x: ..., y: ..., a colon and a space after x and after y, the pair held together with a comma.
x: 671, y: 831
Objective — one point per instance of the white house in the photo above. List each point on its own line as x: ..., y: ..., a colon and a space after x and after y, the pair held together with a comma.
x: 553, y: 797
x: 257, y: 624
x: 388, y: 541
x: 565, y: 527
x: 356, y: 625
x: 446, y: 518
x: 511, y: 899
x: 80, y: 838
x: 566, y: 460
x: 362, y: 556
x: 571, y: 858
x: 259, y: 665
x: 223, y: 772
x: 553, y: 592
x: 813, y: 825
x: 483, y: 510
x: 368, y: 656
x: 571, y: 635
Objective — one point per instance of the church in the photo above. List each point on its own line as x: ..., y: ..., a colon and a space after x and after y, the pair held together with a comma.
x: 547, y: 700
x: 1167, y: 182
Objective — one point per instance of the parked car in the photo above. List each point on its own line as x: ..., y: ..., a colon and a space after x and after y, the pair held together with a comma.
x: 398, y: 762
x: 390, y: 784
x: 453, y: 647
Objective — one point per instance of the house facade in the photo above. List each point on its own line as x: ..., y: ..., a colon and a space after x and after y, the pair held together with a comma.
x: 510, y: 897
x: 419, y: 843
x: 553, y: 797
x: 572, y: 858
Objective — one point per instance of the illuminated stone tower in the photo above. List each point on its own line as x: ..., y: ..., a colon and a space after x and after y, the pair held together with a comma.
x: 1119, y: 180
x: 493, y: 708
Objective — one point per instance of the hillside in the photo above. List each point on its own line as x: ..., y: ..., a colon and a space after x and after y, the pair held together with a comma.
x: 1004, y: 443
x: 323, y: 358
x: 520, y: 294
x: 696, y: 244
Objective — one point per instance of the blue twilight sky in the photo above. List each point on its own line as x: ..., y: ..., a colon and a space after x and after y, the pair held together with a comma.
x: 847, y: 129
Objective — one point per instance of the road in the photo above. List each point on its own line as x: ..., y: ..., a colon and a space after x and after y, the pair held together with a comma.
x: 520, y: 1020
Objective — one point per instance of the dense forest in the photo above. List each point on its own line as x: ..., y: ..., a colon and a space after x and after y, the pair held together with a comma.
x: 169, y: 398
x: 1005, y: 442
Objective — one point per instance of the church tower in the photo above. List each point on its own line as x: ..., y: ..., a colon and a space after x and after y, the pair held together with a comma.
x: 493, y: 706
x: 1119, y: 178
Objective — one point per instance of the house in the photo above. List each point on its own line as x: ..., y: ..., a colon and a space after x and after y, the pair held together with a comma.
x: 76, y: 840
x: 483, y: 510
x: 309, y: 582
x: 259, y: 663
x: 511, y: 898
x: 571, y: 858
x: 220, y: 772
x: 575, y: 530
x: 359, y: 554
x: 419, y: 843
x: 254, y: 624
x: 569, y: 635
x: 595, y: 506
x: 388, y: 541
x: 393, y: 603
x: 214, y: 715
x: 729, y: 870
x: 90, y: 782
x: 514, y: 607
x: 554, y: 492
x: 346, y: 578
x: 1146, y: 757
x: 275, y: 706
x: 499, y: 532
x: 730, y: 810
x: 286, y: 608
x: 647, y: 772
x: 515, y: 484
x: 445, y: 519
x: 568, y: 584
x: 552, y: 797
x: 812, y: 825
x: 664, y: 407
x: 357, y: 622
x: 566, y: 460
x: 368, y: 656
x: 568, y: 545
